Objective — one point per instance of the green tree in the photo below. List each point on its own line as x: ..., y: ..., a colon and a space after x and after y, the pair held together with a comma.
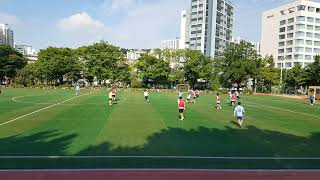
x: 313, y: 73
x: 295, y: 77
x: 239, y: 63
x: 197, y: 66
x: 10, y: 62
x: 152, y: 70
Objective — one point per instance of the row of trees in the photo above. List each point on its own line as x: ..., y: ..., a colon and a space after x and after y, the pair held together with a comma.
x: 101, y: 62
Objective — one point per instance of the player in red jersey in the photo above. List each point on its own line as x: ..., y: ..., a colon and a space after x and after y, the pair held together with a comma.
x: 114, y: 93
x: 218, y: 101
x: 181, y: 107
x: 233, y: 99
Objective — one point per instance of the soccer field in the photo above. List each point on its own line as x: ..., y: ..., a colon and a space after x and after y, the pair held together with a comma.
x: 54, y: 129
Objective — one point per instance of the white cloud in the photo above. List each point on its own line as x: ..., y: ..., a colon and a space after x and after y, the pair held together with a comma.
x: 83, y: 24
x: 8, y: 19
x: 112, y: 7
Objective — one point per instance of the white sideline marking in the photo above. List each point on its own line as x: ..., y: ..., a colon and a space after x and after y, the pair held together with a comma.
x: 158, y: 157
x: 8, y: 122
x: 163, y: 169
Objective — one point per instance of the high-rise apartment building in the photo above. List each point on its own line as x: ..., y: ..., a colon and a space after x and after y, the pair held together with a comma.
x: 211, y: 26
x: 6, y: 35
x: 185, y: 29
x: 171, y: 44
x: 26, y: 50
x: 291, y: 33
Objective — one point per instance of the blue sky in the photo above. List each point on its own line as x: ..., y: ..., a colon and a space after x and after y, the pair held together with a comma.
x: 126, y: 23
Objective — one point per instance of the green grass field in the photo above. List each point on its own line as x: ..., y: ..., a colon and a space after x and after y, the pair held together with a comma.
x: 55, y: 129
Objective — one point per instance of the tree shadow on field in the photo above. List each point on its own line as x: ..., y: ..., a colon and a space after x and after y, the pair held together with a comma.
x: 249, y: 142
x: 205, y: 142
x: 48, y: 143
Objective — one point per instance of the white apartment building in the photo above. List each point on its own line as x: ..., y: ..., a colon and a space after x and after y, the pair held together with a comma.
x: 6, y: 35
x: 185, y: 29
x: 26, y: 50
x: 172, y: 44
x: 134, y: 54
x: 256, y: 45
x: 291, y: 33
x: 211, y: 26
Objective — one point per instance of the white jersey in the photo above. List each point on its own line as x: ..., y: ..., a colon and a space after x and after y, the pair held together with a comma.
x: 239, y: 111
x: 180, y: 94
x: 146, y: 94
x: 78, y: 88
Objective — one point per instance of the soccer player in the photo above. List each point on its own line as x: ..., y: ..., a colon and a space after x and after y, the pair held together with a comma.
x: 146, y: 95
x: 197, y: 93
x: 239, y: 113
x: 180, y: 93
x: 181, y: 107
x: 218, y: 102
x: 312, y: 99
x: 233, y: 99
x: 77, y: 89
x: 189, y: 97
x: 194, y: 97
x: 110, y: 98
x: 114, y: 92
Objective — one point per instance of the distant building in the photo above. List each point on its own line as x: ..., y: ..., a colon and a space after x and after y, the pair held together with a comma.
x: 134, y: 54
x: 170, y: 44
x: 211, y: 26
x: 185, y: 29
x: 256, y: 45
x: 26, y: 50
x: 291, y: 33
x: 6, y: 35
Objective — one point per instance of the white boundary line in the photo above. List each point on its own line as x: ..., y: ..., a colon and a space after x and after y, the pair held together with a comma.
x: 13, y: 120
x: 158, y: 157
x: 162, y: 169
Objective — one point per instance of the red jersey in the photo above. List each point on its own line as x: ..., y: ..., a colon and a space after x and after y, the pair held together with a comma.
x: 114, y: 91
x: 233, y: 97
x: 197, y: 92
x: 181, y: 104
x: 218, y: 99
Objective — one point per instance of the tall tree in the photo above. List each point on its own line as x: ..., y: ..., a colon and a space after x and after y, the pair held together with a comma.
x: 197, y: 66
x: 10, y: 62
x: 313, y: 72
x: 152, y: 70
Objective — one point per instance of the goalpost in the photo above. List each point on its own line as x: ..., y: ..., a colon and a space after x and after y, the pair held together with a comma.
x: 183, y: 87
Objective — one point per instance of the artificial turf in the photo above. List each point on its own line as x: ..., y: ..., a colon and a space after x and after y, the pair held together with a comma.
x: 134, y: 134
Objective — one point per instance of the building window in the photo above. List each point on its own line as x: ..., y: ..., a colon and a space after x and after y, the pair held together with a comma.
x: 291, y: 10
x: 317, y: 10
x: 308, y: 57
x: 299, y: 42
x: 281, y: 58
x: 280, y: 51
x: 299, y: 49
x: 301, y: 8
x: 290, y: 35
x: 283, y: 22
x: 291, y: 20
x: 310, y: 27
x: 310, y: 19
x: 300, y: 34
x: 283, y: 29
x: 309, y: 35
x: 311, y: 9
x: 316, y: 43
x: 288, y: 65
x: 298, y: 56
x: 317, y: 36
x: 316, y: 50
x: 317, y: 20
x: 290, y: 28
x: 317, y: 28
x: 288, y: 57
x: 282, y: 36
x: 308, y: 50
x: 289, y: 43
x: 301, y: 26
x: 309, y: 42
x: 281, y: 44
x: 282, y: 13
x: 301, y: 19
x: 289, y: 50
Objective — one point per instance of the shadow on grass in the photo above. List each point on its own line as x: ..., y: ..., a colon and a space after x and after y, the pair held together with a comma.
x: 229, y: 142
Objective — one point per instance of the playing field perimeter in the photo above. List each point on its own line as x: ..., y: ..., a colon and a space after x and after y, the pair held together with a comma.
x: 56, y: 129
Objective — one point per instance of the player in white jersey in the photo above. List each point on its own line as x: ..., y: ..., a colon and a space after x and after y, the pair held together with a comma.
x: 146, y: 96
x: 77, y: 89
x: 239, y: 113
